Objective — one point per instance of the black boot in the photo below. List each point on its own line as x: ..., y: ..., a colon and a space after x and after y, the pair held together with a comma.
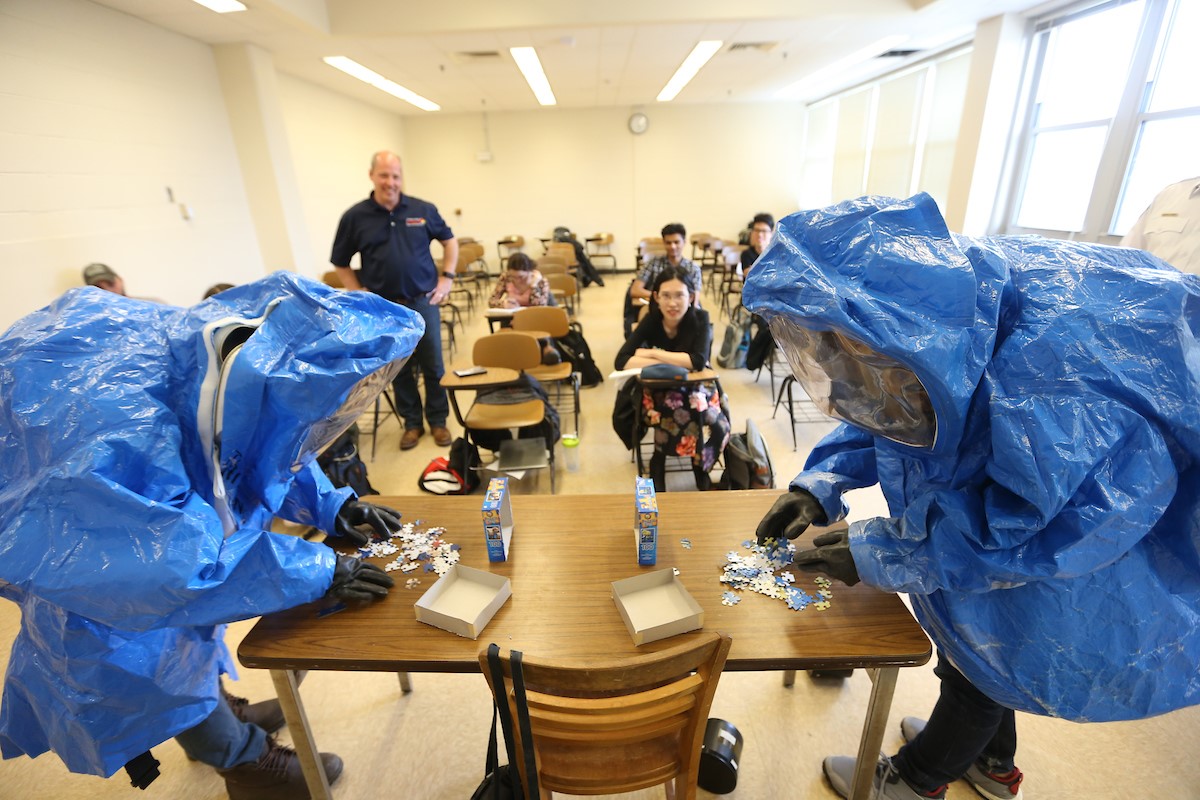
x: 275, y: 776
x: 267, y: 714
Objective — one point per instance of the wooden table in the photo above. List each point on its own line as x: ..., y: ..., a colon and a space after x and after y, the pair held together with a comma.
x: 566, y: 551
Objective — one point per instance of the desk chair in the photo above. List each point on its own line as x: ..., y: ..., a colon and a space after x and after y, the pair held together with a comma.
x: 566, y: 251
x: 802, y: 410
x: 331, y: 278
x: 565, y: 290
x: 600, y: 246
x: 511, y: 353
x: 621, y: 726
x: 510, y: 244
x: 554, y: 321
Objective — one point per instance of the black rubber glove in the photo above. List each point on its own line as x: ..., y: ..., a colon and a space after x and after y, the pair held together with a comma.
x: 355, y: 579
x: 355, y: 515
x: 790, y: 516
x: 831, y: 555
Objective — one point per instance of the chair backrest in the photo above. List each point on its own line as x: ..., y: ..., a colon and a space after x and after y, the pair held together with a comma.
x: 331, y: 278
x: 561, y: 283
x: 511, y: 349
x: 601, y: 728
x: 564, y: 250
x: 550, y: 265
x: 602, y: 239
x: 551, y: 319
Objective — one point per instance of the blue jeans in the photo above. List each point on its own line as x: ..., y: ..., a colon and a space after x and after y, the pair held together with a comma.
x: 427, y: 357
x: 966, y: 726
x: 222, y: 740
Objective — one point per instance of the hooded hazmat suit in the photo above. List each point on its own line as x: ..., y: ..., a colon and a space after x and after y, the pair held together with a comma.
x: 123, y: 543
x: 1049, y: 533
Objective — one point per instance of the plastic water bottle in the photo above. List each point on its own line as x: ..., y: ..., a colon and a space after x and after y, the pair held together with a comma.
x: 570, y: 443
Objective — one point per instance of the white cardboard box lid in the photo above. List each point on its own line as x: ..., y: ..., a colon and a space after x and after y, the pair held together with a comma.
x: 464, y: 600
x: 656, y: 605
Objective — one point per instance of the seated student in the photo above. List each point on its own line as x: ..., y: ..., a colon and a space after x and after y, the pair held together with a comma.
x: 522, y: 285
x: 761, y: 228
x: 687, y: 420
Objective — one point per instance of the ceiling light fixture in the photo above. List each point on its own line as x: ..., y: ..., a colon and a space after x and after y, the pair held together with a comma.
x: 356, y: 70
x: 821, y: 81
x: 696, y: 59
x: 531, y: 67
x: 221, y: 6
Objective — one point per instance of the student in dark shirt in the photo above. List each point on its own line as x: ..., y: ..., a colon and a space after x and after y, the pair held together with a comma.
x: 688, y: 420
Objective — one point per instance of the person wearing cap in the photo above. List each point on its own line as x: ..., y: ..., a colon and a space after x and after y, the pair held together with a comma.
x: 391, y: 233
x: 1030, y: 409
x: 102, y: 277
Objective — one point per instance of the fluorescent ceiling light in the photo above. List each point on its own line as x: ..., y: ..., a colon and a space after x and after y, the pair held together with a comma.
x: 353, y: 68
x: 222, y: 6
x: 535, y: 76
x: 696, y: 59
x: 821, y: 80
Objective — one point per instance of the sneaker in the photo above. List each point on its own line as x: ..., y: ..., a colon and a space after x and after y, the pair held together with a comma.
x: 267, y: 714
x: 888, y: 785
x: 1002, y: 786
x: 409, y: 440
x: 275, y: 776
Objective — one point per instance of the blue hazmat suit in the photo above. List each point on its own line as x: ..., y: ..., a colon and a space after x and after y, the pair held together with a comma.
x: 1049, y: 534
x: 125, y: 544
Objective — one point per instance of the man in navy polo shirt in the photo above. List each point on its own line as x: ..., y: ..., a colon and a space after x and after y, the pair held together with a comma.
x: 391, y: 233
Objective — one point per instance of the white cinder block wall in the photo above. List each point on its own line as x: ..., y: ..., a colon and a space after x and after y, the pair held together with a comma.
x: 100, y: 113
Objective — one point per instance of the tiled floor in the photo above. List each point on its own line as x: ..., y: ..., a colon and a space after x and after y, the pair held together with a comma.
x: 429, y: 745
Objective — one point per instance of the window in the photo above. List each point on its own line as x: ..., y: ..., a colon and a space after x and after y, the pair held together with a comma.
x: 894, y: 136
x: 1113, y: 116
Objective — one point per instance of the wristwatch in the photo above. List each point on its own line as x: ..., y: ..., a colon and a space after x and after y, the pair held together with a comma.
x: 449, y: 275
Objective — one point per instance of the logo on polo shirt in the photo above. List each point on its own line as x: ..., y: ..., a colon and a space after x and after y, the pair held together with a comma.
x: 414, y: 222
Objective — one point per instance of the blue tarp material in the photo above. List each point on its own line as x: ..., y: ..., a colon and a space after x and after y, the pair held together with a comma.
x: 1050, y: 538
x: 110, y: 539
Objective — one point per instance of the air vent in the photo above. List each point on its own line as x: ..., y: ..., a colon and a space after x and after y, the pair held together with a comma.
x: 897, y: 53
x: 475, y: 56
x: 762, y: 47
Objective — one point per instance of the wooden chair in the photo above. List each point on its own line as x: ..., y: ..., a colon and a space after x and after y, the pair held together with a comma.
x: 600, y: 247
x: 648, y: 248
x: 507, y: 246
x: 331, y: 278
x: 621, y: 726
x: 554, y: 321
x: 565, y: 290
x: 509, y: 350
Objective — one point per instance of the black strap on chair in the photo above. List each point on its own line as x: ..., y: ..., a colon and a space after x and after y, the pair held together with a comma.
x: 506, y: 722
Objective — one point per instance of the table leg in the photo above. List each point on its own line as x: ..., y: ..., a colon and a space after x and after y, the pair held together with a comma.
x: 789, y: 677
x: 883, y: 686
x: 287, y: 689
x: 405, y: 683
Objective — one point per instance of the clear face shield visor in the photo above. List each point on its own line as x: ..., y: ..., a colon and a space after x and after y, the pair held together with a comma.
x: 360, y: 398
x: 850, y: 381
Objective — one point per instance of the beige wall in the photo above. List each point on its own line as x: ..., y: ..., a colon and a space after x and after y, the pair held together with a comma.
x: 101, y: 113
x: 332, y: 139
x: 710, y: 167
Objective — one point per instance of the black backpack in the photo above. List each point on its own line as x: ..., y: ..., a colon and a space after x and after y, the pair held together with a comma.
x: 529, y: 389
x: 343, y: 467
x: 574, y: 348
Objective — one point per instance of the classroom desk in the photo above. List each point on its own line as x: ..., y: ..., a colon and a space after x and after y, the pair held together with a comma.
x: 566, y: 551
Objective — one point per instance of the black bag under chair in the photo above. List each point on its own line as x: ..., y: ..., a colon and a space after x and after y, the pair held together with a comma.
x: 341, y: 464
x: 574, y: 348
